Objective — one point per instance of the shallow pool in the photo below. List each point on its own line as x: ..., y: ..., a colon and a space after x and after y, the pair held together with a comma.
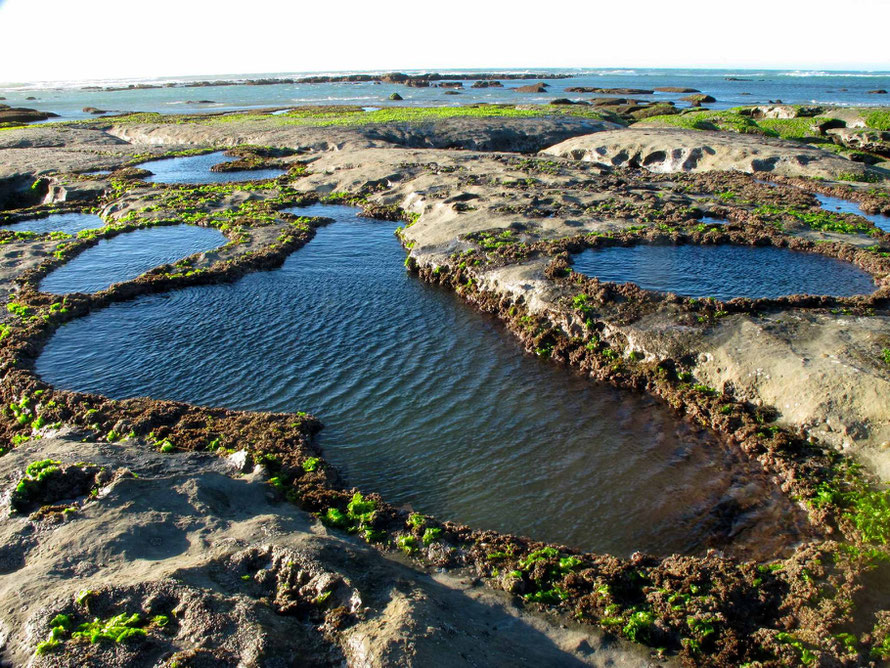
x: 196, y: 169
x: 843, y: 206
x: 724, y: 271
x: 424, y: 399
x: 126, y: 256
x: 70, y: 223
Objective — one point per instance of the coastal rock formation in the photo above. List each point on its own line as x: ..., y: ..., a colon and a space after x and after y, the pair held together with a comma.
x: 673, y: 150
x: 676, y: 89
x: 219, y: 557
x: 610, y: 91
x: 781, y: 111
x: 873, y: 141
x: 698, y: 99
x: 534, y: 88
x: 23, y: 115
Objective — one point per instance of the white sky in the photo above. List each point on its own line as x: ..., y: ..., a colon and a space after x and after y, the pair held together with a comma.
x: 82, y: 39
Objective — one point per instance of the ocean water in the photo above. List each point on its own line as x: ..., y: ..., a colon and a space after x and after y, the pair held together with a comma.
x: 730, y: 88
x: 424, y: 399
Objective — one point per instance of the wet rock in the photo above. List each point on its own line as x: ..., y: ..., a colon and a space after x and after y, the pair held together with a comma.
x: 675, y: 89
x: 200, y: 102
x: 699, y: 99
x: 24, y: 115
x: 93, y: 110
x: 487, y: 84
x: 610, y: 91
x: 452, y: 92
x: 564, y: 101
x: 658, y: 109
x: 417, y: 83
x: 132, y: 173
x: 533, y: 88
x: 879, y: 91
x: 450, y: 84
x: 616, y: 102
x: 396, y: 97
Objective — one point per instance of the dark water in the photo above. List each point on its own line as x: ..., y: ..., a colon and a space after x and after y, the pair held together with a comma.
x: 423, y: 399
x: 196, y: 169
x: 843, y: 206
x: 724, y: 272
x: 756, y: 87
x: 70, y: 223
x: 126, y: 256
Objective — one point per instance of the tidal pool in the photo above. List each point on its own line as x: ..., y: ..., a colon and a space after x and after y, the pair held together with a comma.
x: 128, y: 255
x: 424, y: 400
x: 196, y: 169
x: 69, y: 223
x: 843, y: 206
x: 724, y: 271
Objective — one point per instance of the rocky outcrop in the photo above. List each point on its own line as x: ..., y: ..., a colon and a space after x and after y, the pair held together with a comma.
x: 781, y: 111
x: 487, y: 84
x: 873, y: 141
x: 23, y: 115
x: 675, y: 89
x: 674, y: 150
x: 698, y: 99
x: 610, y: 91
x: 534, y: 88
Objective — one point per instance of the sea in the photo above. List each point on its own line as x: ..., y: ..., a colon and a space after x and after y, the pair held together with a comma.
x: 730, y: 87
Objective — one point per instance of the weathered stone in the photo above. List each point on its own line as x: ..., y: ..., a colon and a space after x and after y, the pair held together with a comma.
x: 675, y: 150
x: 873, y: 141
x: 533, y: 88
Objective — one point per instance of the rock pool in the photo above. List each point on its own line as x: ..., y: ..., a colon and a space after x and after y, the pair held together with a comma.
x: 69, y: 223
x: 843, y: 206
x: 426, y: 400
x: 126, y: 256
x: 196, y: 169
x: 724, y: 271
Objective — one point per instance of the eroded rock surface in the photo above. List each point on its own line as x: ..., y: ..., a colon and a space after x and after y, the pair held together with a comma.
x: 243, y: 578
x: 671, y: 150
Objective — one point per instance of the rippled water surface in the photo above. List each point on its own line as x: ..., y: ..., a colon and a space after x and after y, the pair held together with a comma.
x: 196, y: 169
x: 843, y: 206
x: 724, y: 272
x: 126, y: 256
x: 70, y: 223
x: 424, y: 399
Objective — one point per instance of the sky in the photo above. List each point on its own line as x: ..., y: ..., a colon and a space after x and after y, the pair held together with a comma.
x: 64, y: 40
